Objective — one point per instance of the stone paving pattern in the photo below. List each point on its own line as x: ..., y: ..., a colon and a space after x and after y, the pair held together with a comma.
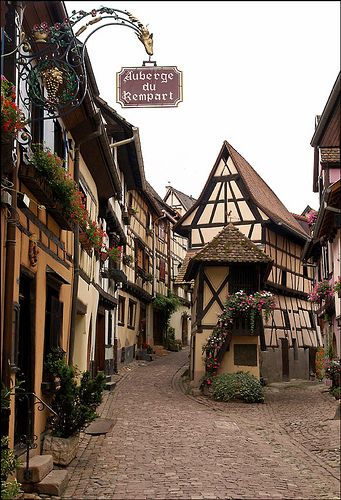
x: 169, y: 444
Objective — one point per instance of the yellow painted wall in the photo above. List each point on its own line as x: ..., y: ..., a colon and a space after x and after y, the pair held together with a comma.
x: 228, y: 366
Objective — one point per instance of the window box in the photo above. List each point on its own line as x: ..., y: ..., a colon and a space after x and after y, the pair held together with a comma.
x: 42, y: 191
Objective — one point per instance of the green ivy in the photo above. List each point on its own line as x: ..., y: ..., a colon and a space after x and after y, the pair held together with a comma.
x: 166, y: 306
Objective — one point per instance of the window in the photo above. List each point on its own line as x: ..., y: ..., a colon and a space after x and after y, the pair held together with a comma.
x: 312, y: 319
x: 305, y: 272
x: 37, y: 124
x: 284, y: 278
x: 131, y: 313
x: 161, y: 230
x: 53, y: 321
x: 325, y: 262
x: 109, y: 337
x: 83, y: 192
x: 121, y: 310
x: 140, y: 256
x: 295, y: 347
x: 148, y: 222
x: 245, y: 354
x: 286, y: 320
x: 162, y: 270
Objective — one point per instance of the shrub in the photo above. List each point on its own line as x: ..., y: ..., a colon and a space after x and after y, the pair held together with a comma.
x: 10, y: 488
x: 74, y: 404
x: 239, y: 385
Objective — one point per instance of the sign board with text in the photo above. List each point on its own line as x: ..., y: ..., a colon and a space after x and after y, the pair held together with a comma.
x: 149, y: 87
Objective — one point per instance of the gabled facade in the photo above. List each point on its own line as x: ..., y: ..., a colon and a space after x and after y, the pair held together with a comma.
x: 235, y: 193
x: 228, y: 263
x: 324, y: 246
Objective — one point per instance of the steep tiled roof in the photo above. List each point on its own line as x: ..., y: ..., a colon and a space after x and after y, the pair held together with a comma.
x: 182, y: 271
x: 158, y: 201
x: 330, y: 155
x: 230, y: 245
x: 262, y: 194
x: 186, y: 200
x: 302, y: 220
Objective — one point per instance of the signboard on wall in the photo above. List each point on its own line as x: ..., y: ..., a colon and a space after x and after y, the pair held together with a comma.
x: 149, y: 87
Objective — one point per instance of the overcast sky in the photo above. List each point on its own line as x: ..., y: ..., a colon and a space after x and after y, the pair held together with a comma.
x: 254, y: 73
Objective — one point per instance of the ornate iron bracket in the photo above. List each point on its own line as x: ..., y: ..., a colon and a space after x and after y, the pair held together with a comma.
x: 51, y: 60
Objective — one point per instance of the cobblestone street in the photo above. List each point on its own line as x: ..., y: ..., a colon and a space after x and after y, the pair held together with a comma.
x: 168, y: 444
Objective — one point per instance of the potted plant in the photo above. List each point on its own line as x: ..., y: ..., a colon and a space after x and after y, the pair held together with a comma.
x: 74, y: 403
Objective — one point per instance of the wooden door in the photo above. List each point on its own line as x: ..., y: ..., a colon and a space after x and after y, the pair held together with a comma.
x: 142, y: 338
x: 25, y: 357
x: 184, y: 332
x: 100, y: 343
x: 157, y: 328
x: 285, y: 359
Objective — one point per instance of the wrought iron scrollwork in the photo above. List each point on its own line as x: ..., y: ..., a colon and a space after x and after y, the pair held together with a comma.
x: 51, y: 60
x: 29, y: 440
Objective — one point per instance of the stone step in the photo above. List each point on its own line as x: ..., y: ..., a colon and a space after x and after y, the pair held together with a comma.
x: 54, y: 483
x: 110, y: 386
x: 39, y: 467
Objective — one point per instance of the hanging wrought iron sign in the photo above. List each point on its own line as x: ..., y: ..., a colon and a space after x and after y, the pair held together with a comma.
x: 149, y: 87
x: 51, y: 60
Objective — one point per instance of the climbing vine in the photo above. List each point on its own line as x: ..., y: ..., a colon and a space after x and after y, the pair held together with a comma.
x: 236, y: 304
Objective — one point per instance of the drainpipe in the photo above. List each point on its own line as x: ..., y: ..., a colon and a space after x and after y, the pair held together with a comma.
x: 10, y: 275
x: 89, y: 137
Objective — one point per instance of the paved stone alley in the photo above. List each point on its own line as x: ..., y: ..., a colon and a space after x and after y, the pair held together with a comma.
x: 169, y: 444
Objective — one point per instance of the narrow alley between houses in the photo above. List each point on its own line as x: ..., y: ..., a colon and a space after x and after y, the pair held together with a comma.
x: 166, y: 443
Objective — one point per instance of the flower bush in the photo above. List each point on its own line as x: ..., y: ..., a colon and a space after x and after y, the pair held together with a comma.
x: 337, y: 285
x: 311, y: 217
x: 236, y: 304
x: 114, y: 253
x: 12, y: 118
x: 332, y: 368
x: 321, y: 291
x: 64, y: 189
x: 239, y: 385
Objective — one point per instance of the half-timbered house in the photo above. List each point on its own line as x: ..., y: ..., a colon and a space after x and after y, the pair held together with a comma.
x: 228, y: 263
x: 149, y: 251
x: 235, y: 193
x: 324, y: 246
